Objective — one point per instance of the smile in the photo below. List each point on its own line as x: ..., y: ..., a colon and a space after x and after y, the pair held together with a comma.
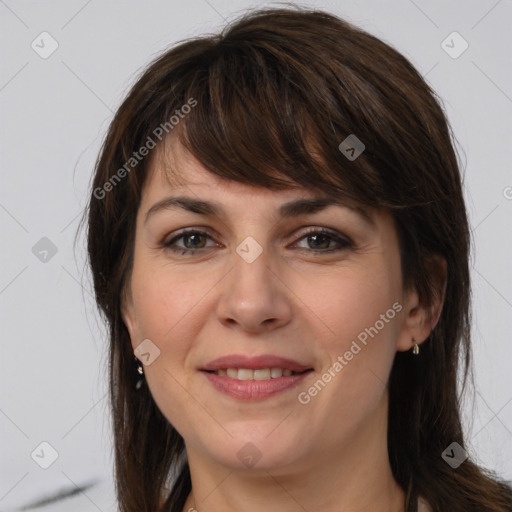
x: 254, y: 385
x: 260, y: 374
x: 254, y: 377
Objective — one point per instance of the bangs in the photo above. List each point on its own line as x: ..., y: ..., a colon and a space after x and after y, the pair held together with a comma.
x: 259, y: 121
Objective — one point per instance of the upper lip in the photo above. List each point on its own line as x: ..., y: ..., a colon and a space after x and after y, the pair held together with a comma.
x: 255, y: 363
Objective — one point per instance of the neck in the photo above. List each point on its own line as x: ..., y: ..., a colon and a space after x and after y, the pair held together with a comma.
x: 355, y: 478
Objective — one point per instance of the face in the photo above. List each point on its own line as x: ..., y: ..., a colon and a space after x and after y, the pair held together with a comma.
x: 272, y: 329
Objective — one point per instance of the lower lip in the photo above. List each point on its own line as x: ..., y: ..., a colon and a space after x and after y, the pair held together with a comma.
x: 253, y: 389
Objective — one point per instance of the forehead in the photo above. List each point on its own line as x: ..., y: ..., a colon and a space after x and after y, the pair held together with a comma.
x: 175, y: 169
x: 181, y: 183
x: 176, y: 179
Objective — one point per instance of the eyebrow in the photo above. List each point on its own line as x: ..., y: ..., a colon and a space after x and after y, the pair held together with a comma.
x: 294, y: 208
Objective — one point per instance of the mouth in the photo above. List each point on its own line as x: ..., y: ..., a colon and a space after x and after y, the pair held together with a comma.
x: 259, y: 374
x: 254, y: 378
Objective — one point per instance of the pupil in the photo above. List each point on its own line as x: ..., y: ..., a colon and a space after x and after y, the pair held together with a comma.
x: 316, y: 237
x: 192, y: 237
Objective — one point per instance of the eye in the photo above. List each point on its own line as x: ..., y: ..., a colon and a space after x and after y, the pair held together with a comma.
x: 321, y: 239
x: 194, y: 241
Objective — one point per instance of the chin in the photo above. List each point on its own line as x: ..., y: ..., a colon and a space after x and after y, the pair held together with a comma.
x: 249, y: 451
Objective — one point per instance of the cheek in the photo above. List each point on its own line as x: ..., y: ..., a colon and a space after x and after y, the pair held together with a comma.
x: 354, y: 302
x: 363, y: 328
x: 171, y: 307
x: 166, y: 302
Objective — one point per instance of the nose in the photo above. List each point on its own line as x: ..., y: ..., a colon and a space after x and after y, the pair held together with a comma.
x: 254, y: 297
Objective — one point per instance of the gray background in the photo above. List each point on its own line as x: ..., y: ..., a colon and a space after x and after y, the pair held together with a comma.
x: 55, y: 112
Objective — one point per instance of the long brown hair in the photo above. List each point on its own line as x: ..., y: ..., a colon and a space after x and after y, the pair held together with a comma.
x: 274, y: 94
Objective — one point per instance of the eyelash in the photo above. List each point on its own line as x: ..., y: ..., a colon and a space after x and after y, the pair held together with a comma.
x: 344, y: 242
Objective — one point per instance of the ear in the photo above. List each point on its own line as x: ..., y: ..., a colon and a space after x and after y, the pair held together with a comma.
x: 420, y: 318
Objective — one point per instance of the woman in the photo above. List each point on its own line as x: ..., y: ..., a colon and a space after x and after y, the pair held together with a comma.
x: 277, y: 231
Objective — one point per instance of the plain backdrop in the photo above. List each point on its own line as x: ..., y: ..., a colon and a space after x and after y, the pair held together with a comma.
x: 55, y: 112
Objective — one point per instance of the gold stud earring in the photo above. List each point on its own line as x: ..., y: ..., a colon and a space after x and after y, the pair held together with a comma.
x: 416, y: 348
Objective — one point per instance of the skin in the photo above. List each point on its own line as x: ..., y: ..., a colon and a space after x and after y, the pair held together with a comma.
x: 293, y: 301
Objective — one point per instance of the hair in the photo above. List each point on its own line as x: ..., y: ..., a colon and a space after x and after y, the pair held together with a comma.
x: 272, y: 96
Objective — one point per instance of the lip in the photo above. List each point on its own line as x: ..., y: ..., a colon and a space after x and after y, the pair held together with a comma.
x: 253, y: 390
x: 254, y: 363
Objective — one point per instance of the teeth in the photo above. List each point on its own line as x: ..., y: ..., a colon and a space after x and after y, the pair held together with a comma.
x: 276, y: 372
x: 244, y: 374
x: 260, y: 374
x: 263, y: 374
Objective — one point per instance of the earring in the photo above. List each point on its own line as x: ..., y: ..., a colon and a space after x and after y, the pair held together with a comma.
x: 140, y: 371
x: 416, y: 348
